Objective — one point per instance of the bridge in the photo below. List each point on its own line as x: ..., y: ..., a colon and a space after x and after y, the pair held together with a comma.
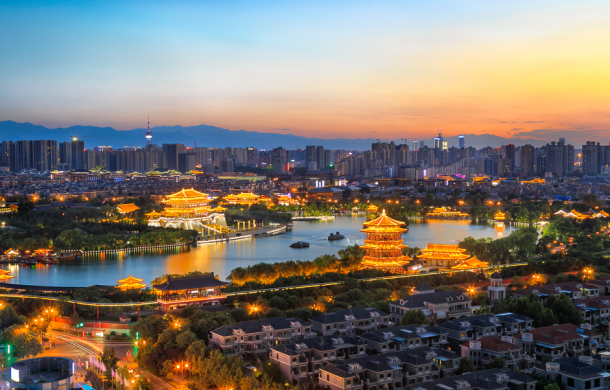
x: 97, y: 305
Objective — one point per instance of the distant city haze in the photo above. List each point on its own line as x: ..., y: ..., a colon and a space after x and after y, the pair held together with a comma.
x: 329, y: 70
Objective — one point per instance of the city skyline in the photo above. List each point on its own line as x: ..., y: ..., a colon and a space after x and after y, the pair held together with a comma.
x: 350, y: 70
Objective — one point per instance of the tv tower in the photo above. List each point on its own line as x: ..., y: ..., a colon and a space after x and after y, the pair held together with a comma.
x: 148, y: 135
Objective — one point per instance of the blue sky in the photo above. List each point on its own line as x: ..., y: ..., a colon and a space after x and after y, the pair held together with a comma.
x: 325, y: 69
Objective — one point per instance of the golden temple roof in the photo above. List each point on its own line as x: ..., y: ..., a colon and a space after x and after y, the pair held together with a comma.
x: 383, y: 221
x: 127, y: 208
x: 471, y: 263
x: 187, y: 194
x: 131, y: 283
x: 153, y: 214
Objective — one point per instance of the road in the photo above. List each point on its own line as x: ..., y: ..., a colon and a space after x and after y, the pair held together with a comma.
x: 85, y: 347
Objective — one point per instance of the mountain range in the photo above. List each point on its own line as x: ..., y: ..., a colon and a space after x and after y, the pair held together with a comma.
x: 216, y: 137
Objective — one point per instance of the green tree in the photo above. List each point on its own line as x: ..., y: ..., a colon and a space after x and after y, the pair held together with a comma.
x: 497, y: 362
x: 552, y: 386
x: 25, y: 345
x: 564, y: 309
x: 412, y: 317
x: 466, y: 365
x: 109, y: 358
x: 143, y: 384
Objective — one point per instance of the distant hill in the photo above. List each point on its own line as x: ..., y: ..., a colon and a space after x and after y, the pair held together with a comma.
x: 211, y: 136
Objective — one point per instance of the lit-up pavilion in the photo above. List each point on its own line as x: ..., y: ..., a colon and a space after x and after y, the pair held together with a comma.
x: 445, y: 213
x: 131, y: 283
x: 383, y: 243
x: 245, y: 199
x: 442, y: 256
x: 472, y: 263
x: 187, y: 202
x: 5, y: 275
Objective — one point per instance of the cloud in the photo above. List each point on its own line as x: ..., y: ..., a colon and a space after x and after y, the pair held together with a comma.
x: 515, y: 122
x: 373, y: 131
x: 278, y: 129
x: 534, y: 122
x: 517, y: 128
x: 574, y: 135
x: 503, y: 122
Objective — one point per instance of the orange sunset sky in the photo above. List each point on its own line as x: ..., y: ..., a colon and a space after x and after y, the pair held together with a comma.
x: 347, y: 69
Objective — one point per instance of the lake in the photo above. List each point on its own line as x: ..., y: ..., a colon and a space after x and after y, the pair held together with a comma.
x: 223, y: 257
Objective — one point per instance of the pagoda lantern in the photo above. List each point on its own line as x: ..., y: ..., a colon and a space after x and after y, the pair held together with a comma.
x: 383, y: 243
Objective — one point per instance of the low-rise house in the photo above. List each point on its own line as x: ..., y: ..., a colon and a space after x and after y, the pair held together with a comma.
x: 350, y: 322
x: 405, y: 337
x: 494, y: 379
x: 557, y: 341
x: 485, y: 349
x: 248, y: 338
x: 574, y: 290
x: 595, y: 311
x: 437, y: 306
x: 391, y: 371
x: 574, y: 374
x: 301, y: 361
x: 504, y: 324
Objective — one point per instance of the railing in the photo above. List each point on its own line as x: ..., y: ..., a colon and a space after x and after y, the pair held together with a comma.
x: 192, y: 299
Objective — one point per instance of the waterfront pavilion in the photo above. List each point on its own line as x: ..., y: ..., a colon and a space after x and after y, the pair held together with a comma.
x: 5, y: 275
x: 193, y: 290
x: 442, y: 256
x: 131, y: 283
x: 383, y: 244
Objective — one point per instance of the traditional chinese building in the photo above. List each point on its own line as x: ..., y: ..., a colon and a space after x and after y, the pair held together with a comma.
x: 442, y: 256
x: 187, y: 203
x: 472, y: 263
x: 192, y: 290
x: 383, y: 243
x: 500, y: 216
x: 372, y: 209
x: 445, y: 213
x: 590, y: 214
x: 131, y: 283
x: 127, y: 208
x: 5, y: 275
x: 245, y: 199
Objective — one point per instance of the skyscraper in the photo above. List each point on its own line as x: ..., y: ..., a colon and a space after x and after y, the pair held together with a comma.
x: 78, y: 153
x: 509, y: 154
x: 527, y: 160
x: 462, y: 142
x: 148, y: 134
x: 173, y: 151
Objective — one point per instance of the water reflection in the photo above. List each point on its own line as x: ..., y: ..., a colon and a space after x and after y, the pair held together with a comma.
x: 223, y: 257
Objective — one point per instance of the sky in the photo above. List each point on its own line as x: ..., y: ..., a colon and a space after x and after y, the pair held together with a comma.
x: 328, y: 69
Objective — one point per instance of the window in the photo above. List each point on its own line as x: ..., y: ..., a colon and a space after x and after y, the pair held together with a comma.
x: 597, y: 382
x: 587, y: 384
x: 570, y: 382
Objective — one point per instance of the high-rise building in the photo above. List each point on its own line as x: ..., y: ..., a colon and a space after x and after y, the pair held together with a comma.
x: 226, y: 166
x: 563, y: 141
x: 310, y: 155
x: 78, y: 153
x: 252, y: 156
x: 65, y: 154
x: 320, y: 158
x: 509, y: 154
x: 44, y: 155
x: 172, y: 151
x: 461, y: 142
x: 186, y: 162
x: 148, y: 135
x: 527, y: 160
x: 590, y: 158
x: 279, y: 161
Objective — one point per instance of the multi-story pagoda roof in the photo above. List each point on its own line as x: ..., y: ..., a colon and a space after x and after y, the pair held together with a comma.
x: 131, y: 283
x: 444, y: 252
x: 383, y: 244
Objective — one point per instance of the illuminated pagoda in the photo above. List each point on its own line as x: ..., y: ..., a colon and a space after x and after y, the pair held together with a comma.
x: 383, y: 243
x: 131, y: 283
x: 5, y: 275
x: 500, y: 216
x: 442, y: 256
x: 187, y: 203
x: 372, y: 209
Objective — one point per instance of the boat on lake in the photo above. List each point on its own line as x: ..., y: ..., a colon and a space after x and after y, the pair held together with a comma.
x: 335, y: 237
x: 299, y: 244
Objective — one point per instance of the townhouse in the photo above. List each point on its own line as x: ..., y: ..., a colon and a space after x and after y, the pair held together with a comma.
x: 494, y: 379
x: 558, y: 341
x: 249, y: 338
x: 301, y: 361
x: 485, y: 349
x: 504, y: 324
x: 574, y: 374
x: 351, y: 321
x: 390, y: 371
x: 437, y: 306
x: 574, y: 290
x: 405, y: 337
